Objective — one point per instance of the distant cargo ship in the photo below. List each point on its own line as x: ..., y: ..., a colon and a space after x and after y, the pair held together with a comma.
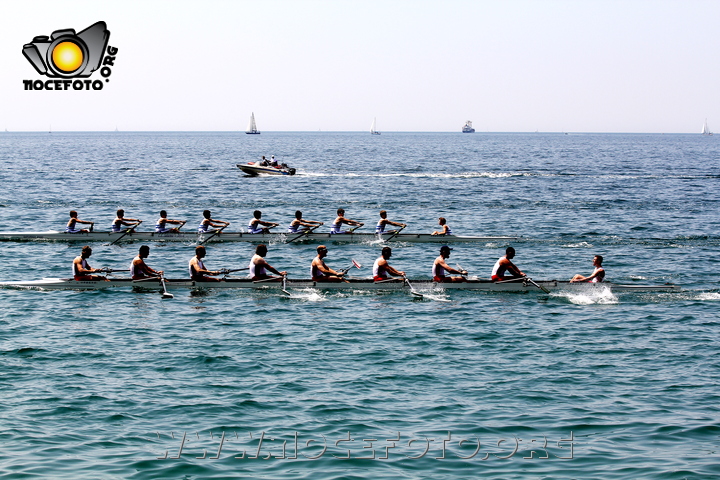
x: 468, y: 128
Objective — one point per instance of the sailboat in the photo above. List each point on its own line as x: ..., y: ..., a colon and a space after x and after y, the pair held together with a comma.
x: 706, y: 130
x: 373, y: 128
x: 252, y: 128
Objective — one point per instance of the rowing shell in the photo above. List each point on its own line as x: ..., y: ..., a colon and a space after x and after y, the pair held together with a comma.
x: 193, y: 237
x: 353, y: 284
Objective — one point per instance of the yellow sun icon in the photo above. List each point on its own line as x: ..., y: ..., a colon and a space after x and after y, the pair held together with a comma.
x: 67, y: 56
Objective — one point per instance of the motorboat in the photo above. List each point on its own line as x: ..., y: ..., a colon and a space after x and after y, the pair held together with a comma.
x: 256, y: 168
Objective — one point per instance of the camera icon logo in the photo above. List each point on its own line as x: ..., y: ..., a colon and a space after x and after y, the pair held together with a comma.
x: 67, y: 54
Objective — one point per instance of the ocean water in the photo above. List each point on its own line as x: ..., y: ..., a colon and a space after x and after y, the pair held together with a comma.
x: 318, y: 385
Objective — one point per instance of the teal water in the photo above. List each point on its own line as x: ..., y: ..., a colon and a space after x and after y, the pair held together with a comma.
x: 118, y: 384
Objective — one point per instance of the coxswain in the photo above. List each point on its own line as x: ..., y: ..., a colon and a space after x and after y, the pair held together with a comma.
x: 161, y: 225
x: 380, y: 227
x: 445, y: 228
x: 503, y: 265
x: 321, y: 272
x: 440, y: 267
x: 258, y: 266
x: 258, y: 226
x: 138, y: 267
x: 81, y: 268
x: 300, y: 225
x: 209, y: 224
x: 381, y: 267
x: 120, y: 222
x: 74, y: 220
x: 198, y: 272
x: 337, y: 224
x: 598, y: 274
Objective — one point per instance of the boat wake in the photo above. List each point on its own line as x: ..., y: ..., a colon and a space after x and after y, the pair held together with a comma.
x: 308, y: 295
x: 602, y: 296
x: 711, y: 296
x: 421, y: 175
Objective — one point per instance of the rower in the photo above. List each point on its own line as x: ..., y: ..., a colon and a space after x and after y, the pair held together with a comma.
x: 121, y: 221
x: 161, y: 225
x: 380, y: 227
x: 258, y: 266
x: 440, y: 267
x: 198, y: 272
x: 138, y: 267
x: 82, y: 269
x: 258, y: 226
x: 296, y: 226
x: 597, y: 276
x: 381, y: 267
x: 321, y: 272
x: 445, y: 228
x: 209, y: 224
x: 337, y: 224
x: 504, y: 264
x: 72, y: 223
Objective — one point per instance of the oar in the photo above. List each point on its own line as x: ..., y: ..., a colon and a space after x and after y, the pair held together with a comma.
x: 131, y: 229
x: 412, y: 289
x: 284, y: 284
x: 309, y: 230
x: 393, y: 235
x: 355, y: 264
x: 538, y: 286
x: 110, y: 271
x: 165, y: 293
x: 460, y: 268
x: 269, y: 279
x: 225, y: 271
x: 214, y: 233
x: 353, y: 229
x: 146, y: 279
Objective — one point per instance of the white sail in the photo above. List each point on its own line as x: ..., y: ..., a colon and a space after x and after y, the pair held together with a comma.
x: 705, y: 129
x: 252, y: 128
x: 373, y: 127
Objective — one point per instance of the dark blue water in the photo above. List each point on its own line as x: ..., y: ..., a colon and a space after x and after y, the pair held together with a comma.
x: 118, y: 384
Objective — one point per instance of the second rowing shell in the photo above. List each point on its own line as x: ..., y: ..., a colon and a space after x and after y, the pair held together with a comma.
x: 194, y: 237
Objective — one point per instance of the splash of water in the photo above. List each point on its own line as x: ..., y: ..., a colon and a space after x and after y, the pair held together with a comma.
x: 599, y: 296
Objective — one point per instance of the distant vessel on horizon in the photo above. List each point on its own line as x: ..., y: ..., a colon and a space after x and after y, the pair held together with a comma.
x: 373, y: 127
x: 252, y: 128
x: 468, y: 128
x: 705, y: 129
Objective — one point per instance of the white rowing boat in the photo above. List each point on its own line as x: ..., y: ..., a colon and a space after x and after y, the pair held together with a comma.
x: 194, y: 237
x: 522, y: 285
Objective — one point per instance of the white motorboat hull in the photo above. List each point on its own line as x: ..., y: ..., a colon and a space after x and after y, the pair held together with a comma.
x: 254, y: 169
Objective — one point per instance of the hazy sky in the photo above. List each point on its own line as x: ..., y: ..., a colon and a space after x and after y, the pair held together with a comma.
x: 302, y: 65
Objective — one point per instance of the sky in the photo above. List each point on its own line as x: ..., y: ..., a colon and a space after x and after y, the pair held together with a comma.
x: 415, y: 65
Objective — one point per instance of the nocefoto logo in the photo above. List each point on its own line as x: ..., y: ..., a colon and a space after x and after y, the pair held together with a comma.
x: 68, y: 55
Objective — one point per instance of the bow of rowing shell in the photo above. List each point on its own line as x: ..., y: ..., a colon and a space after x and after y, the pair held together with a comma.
x: 353, y: 284
x: 54, y: 236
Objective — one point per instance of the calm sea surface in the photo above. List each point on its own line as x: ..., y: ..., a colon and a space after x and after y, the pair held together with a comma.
x: 125, y: 385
